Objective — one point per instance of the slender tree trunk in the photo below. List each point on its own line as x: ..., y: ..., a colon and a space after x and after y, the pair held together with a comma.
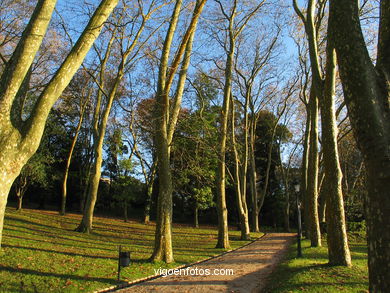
x: 20, y: 201
x: 69, y: 159
x: 148, y: 202
x: 223, y: 234
x: 196, y: 216
x: 287, y: 212
x: 125, y: 211
x: 85, y: 192
x: 86, y: 223
x: 312, y: 180
x: 304, y: 172
x: 239, y: 177
x: 338, y: 249
x: 286, y: 190
x: 367, y: 92
x: 322, y: 203
x: 252, y: 175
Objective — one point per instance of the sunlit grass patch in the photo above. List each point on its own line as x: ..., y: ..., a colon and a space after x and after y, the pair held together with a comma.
x: 311, y: 273
x: 41, y: 252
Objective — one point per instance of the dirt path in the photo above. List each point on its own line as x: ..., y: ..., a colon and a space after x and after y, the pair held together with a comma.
x: 251, y: 266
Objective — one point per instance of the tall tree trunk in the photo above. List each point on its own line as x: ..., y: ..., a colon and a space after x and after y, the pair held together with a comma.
x: 312, y: 180
x: 69, y: 159
x: 163, y: 235
x: 304, y: 172
x: 284, y: 173
x: 338, y: 249
x: 367, y: 92
x: 165, y: 125
x: 239, y: 175
x: 19, y: 139
x: 223, y: 234
x: 252, y: 175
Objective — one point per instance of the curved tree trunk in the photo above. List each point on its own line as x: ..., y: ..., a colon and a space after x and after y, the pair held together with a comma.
x: 69, y: 159
x: 19, y: 140
x: 338, y: 249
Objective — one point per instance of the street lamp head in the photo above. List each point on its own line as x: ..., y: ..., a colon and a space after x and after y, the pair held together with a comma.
x: 297, y: 186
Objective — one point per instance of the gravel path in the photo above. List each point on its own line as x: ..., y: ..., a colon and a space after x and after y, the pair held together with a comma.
x: 251, y: 266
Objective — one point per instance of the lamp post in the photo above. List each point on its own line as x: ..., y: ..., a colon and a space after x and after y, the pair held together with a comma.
x: 299, y: 235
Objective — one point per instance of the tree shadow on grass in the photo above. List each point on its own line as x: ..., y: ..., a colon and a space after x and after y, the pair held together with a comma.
x: 60, y: 252
x: 48, y: 235
x: 61, y: 276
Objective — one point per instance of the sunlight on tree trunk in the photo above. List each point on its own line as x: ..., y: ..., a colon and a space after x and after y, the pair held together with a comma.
x: 367, y: 98
x: 20, y: 139
x: 338, y: 249
x: 312, y: 180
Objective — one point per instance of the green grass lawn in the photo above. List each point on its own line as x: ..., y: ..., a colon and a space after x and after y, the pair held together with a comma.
x: 312, y: 274
x: 41, y: 252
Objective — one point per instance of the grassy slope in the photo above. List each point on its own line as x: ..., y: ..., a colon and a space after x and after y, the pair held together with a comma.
x: 312, y: 274
x: 41, y: 253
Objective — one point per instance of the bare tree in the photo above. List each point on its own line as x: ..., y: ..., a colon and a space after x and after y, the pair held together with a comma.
x: 166, y: 119
x: 19, y: 139
x: 323, y: 89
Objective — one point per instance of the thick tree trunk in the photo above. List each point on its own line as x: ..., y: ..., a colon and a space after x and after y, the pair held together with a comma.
x: 312, y: 180
x: 165, y: 125
x: 367, y: 92
x: 338, y: 249
x: 19, y: 140
x: 163, y: 235
x: 7, y: 178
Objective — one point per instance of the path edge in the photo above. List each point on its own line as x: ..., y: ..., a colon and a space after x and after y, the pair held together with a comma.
x: 125, y: 284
